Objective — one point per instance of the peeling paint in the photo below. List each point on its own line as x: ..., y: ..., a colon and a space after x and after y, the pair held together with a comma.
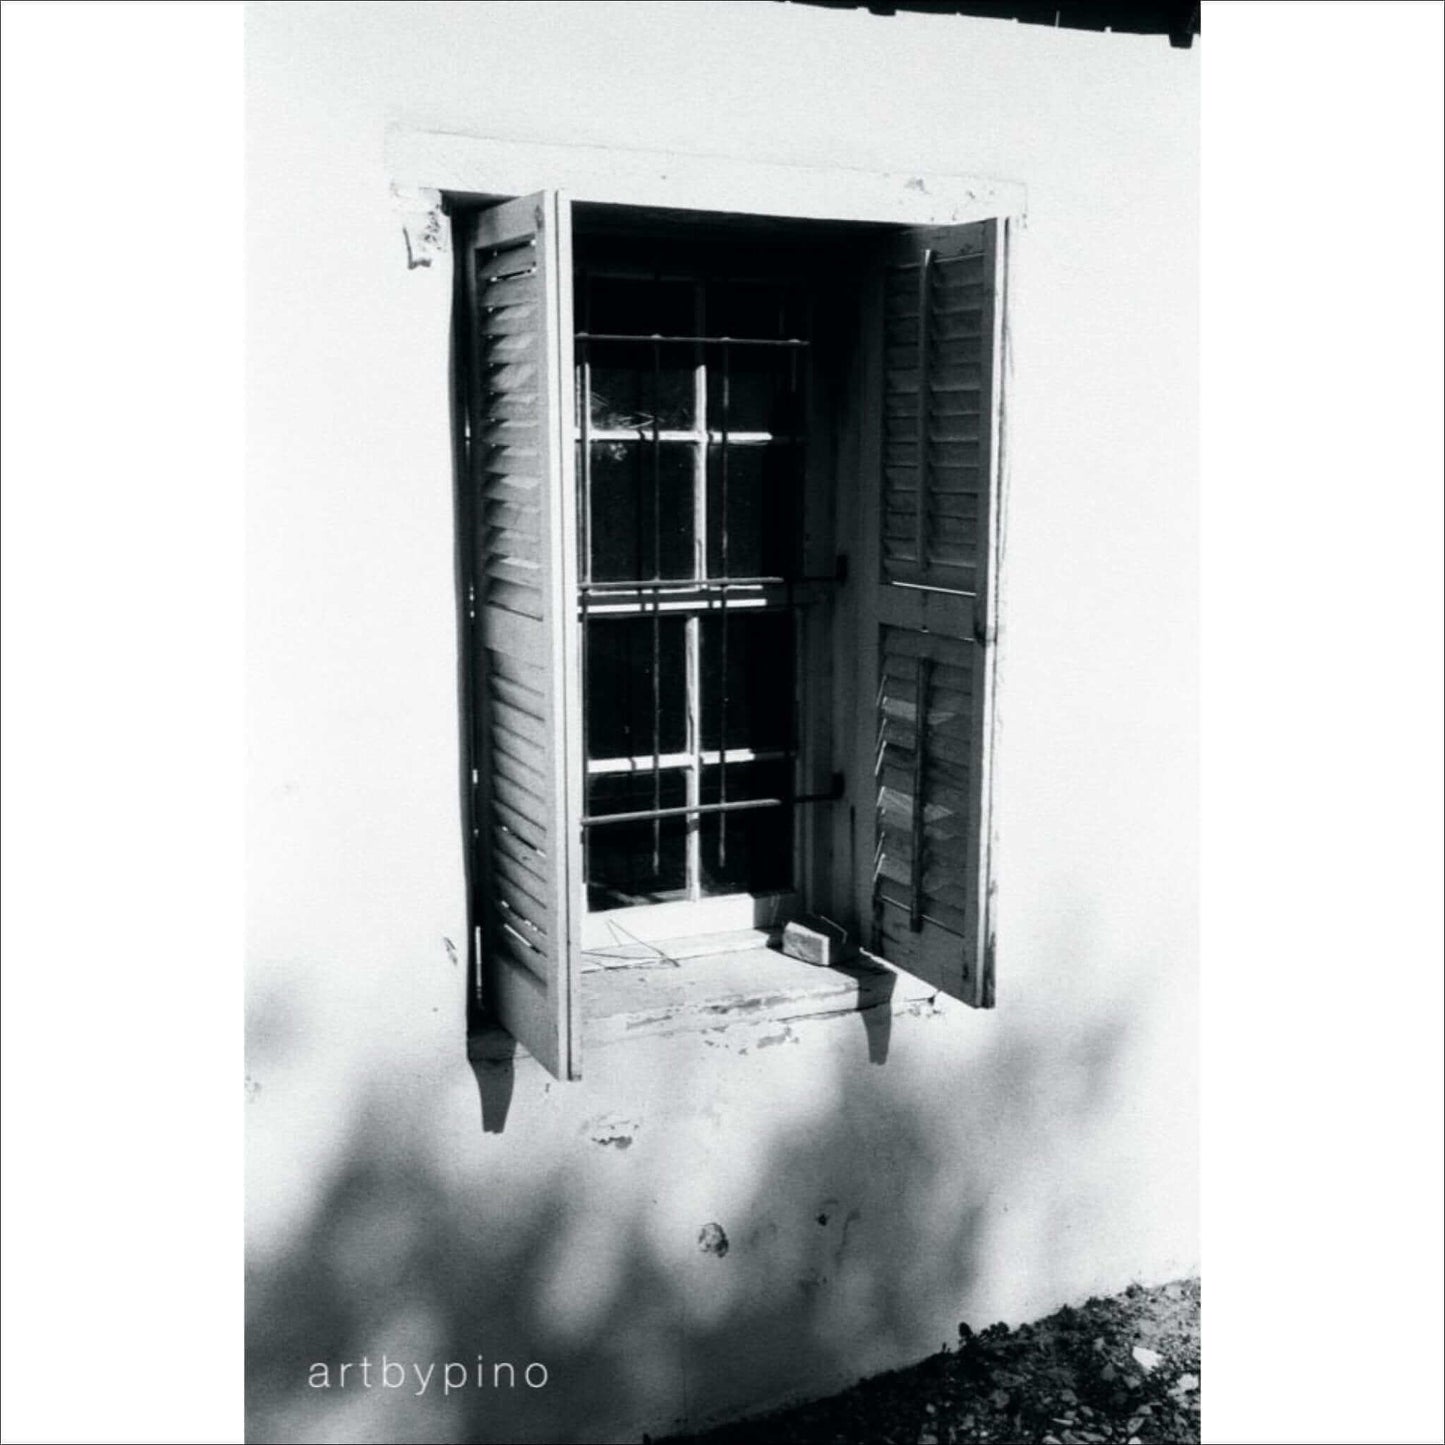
x: 712, y: 1239
x: 612, y: 1130
x: 925, y: 1009
x: 422, y: 223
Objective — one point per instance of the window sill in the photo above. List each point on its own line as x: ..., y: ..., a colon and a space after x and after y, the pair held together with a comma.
x: 745, y: 982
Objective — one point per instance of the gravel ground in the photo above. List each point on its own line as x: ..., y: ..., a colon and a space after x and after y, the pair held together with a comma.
x: 1120, y: 1369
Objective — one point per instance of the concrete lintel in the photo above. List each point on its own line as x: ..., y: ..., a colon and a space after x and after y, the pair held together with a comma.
x: 476, y: 165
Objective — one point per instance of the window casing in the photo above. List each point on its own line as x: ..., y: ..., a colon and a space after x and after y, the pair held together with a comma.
x: 730, y: 555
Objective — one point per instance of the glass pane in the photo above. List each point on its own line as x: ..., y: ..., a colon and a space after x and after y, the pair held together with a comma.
x: 760, y: 680
x: 628, y: 530
x: 636, y: 306
x: 761, y: 388
x: 636, y: 385
x: 642, y: 862
x: 750, y: 851
x: 624, y: 654
x: 763, y: 484
x: 759, y: 309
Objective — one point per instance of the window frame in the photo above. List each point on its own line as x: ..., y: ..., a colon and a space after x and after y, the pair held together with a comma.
x: 481, y: 170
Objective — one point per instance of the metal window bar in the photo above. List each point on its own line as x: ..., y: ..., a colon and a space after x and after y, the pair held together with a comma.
x: 722, y: 772
x: 795, y: 343
x: 676, y: 434
x: 738, y: 805
x: 709, y: 757
x: 584, y: 422
x: 699, y: 570
x: 797, y: 551
x: 697, y: 584
x: 656, y: 611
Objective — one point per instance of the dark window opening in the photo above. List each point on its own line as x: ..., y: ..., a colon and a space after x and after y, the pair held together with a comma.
x: 691, y: 384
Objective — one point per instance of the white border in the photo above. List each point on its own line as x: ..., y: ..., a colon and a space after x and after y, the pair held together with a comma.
x: 122, y: 545
x: 1323, y: 1057
x: 1321, y: 780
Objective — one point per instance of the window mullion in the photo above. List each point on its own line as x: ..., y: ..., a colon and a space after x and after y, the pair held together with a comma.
x: 694, y: 622
x: 656, y: 613
x: 725, y: 568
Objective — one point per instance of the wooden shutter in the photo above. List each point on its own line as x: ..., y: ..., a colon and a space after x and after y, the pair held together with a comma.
x: 527, y: 862
x: 928, y: 610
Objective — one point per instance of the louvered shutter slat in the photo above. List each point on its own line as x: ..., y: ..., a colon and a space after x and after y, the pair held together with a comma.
x: 528, y: 858
x: 928, y: 616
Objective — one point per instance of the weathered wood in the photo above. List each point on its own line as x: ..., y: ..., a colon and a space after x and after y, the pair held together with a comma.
x: 519, y: 852
x: 930, y: 615
x: 755, y: 986
x: 519, y: 295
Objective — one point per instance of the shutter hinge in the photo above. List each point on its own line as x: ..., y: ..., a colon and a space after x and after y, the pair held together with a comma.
x: 840, y: 567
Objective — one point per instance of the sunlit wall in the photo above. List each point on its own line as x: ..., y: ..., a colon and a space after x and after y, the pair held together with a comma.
x: 998, y: 1164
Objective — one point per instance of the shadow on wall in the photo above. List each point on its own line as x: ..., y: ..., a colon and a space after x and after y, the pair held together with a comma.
x: 422, y: 1258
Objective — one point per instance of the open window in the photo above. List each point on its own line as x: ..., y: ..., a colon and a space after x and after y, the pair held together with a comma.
x: 729, y: 558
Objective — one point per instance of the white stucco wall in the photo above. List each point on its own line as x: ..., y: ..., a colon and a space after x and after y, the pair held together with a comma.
x: 998, y: 1164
